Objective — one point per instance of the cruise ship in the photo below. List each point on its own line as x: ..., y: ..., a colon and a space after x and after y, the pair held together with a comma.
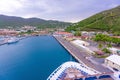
x: 78, y: 71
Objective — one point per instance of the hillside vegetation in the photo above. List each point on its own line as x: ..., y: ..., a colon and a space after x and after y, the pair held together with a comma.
x: 108, y: 20
x: 17, y: 22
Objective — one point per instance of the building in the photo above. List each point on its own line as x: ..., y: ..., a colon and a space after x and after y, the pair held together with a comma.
x: 82, y: 45
x: 87, y: 35
x: 71, y: 38
x: 64, y: 34
x: 116, y: 37
x: 114, y: 50
x: 26, y: 28
x: 84, y: 33
x: 113, y: 61
x: 8, y: 32
x: 81, y: 42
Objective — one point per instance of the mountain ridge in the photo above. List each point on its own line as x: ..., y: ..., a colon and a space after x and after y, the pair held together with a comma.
x: 108, y: 20
x: 17, y: 22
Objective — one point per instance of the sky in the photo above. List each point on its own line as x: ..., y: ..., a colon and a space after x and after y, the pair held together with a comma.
x: 62, y: 10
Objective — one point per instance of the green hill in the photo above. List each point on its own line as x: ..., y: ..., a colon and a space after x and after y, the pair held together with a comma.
x: 17, y: 22
x: 108, y: 20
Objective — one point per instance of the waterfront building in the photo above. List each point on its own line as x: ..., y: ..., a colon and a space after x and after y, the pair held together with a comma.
x: 113, y: 61
x: 9, y: 32
x: 62, y: 33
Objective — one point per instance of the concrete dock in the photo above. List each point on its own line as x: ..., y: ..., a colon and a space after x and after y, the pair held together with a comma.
x: 81, y: 55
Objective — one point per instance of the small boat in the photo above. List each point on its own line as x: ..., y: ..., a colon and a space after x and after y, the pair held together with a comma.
x: 12, y: 40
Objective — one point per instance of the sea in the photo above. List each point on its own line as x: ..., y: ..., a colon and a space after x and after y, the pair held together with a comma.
x: 33, y: 58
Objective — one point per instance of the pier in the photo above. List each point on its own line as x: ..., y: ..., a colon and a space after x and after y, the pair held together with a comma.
x: 81, y: 55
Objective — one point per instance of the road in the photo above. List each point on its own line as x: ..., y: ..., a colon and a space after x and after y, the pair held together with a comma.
x: 81, y: 55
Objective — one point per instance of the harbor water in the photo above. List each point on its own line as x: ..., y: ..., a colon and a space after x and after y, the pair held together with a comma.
x: 33, y: 58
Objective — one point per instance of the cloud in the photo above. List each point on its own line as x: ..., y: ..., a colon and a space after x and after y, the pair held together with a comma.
x: 63, y: 10
x: 9, y: 6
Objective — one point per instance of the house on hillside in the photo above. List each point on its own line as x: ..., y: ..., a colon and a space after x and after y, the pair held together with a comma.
x: 26, y: 28
x: 87, y: 35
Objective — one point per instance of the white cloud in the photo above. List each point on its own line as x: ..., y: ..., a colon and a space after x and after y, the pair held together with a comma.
x: 9, y: 5
x: 63, y: 10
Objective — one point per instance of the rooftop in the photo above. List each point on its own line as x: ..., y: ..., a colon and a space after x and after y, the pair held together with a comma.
x: 62, y: 32
x: 114, y: 58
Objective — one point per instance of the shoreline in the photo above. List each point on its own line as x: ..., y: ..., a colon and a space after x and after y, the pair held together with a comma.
x: 23, y: 37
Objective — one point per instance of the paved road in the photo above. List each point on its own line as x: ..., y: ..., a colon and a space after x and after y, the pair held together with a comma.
x: 81, y: 56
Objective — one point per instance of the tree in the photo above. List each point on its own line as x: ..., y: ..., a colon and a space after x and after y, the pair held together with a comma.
x: 77, y: 33
x: 107, y: 40
x: 100, y: 46
x: 106, y: 50
x: 29, y: 31
x: 109, y: 45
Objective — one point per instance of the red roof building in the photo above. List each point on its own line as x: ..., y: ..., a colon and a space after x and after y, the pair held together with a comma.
x: 63, y: 34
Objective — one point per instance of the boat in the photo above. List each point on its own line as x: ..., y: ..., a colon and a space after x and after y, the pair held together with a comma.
x: 71, y: 70
x: 12, y: 40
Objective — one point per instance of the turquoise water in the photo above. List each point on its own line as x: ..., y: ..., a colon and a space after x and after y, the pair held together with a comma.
x: 32, y: 58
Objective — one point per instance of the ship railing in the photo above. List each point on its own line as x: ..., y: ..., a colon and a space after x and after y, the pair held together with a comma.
x: 59, y: 70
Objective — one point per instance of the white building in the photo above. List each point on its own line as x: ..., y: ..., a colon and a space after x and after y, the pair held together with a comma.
x: 114, y: 50
x: 81, y: 42
x: 82, y: 45
x: 113, y: 61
